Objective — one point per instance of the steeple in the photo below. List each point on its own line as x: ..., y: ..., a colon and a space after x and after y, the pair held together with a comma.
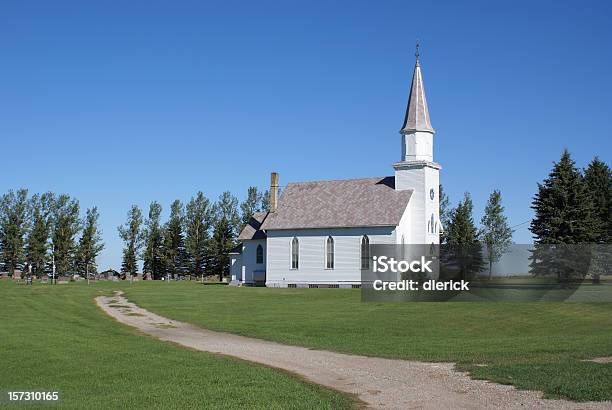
x: 417, y: 113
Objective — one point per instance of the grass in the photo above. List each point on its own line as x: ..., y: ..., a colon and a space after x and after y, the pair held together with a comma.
x: 534, y: 345
x: 53, y: 338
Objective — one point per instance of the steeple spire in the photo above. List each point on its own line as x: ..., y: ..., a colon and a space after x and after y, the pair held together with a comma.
x: 417, y: 113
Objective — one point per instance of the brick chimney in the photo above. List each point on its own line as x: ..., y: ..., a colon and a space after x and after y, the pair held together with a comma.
x: 273, y: 192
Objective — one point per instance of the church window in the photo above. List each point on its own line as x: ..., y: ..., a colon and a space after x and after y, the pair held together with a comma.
x: 329, y: 253
x: 365, y: 252
x: 259, y: 254
x: 431, y: 222
x: 295, y: 253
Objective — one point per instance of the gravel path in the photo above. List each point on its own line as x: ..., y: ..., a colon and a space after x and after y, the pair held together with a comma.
x: 380, y: 383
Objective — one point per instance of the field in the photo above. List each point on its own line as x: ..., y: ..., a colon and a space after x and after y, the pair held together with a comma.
x: 537, y: 345
x: 54, y: 338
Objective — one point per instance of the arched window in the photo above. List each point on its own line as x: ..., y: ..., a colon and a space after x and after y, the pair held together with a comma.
x: 295, y: 253
x: 259, y: 254
x: 329, y: 253
x: 365, y: 252
x: 432, y: 223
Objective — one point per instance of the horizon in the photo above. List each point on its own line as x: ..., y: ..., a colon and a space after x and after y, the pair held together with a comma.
x: 125, y: 104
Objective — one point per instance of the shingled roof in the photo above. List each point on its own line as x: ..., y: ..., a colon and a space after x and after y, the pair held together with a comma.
x: 343, y: 203
x: 417, y: 113
x: 252, y: 230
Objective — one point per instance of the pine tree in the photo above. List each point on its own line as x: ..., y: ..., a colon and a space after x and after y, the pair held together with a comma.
x: 265, y: 201
x: 463, y: 250
x: 174, y: 255
x: 225, y: 232
x: 445, y: 215
x: 598, y: 180
x: 66, y: 226
x: 251, y: 205
x: 561, y: 205
x: 90, y: 244
x: 153, y: 243
x: 222, y: 243
x: 495, y: 232
x: 13, y: 226
x: 37, y: 243
x: 198, y: 224
x: 132, y: 236
x: 563, y: 215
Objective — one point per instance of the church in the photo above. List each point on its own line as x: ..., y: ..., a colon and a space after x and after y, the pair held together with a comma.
x: 318, y: 234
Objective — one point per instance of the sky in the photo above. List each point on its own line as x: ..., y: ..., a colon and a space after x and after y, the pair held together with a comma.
x: 119, y: 103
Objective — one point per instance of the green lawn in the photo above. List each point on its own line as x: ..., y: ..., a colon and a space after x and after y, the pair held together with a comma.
x: 53, y: 338
x: 530, y: 345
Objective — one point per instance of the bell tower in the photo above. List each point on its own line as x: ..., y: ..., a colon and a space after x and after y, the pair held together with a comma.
x: 416, y: 169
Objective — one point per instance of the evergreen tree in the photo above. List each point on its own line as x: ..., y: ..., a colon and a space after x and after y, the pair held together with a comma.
x: 265, y: 201
x: 66, y: 225
x: 198, y: 223
x: 222, y: 244
x: 463, y: 251
x: 90, y: 244
x: 37, y: 243
x: 227, y: 207
x: 598, y: 179
x: 445, y: 215
x: 174, y: 255
x: 252, y: 204
x: 225, y: 230
x: 132, y: 236
x: 561, y: 205
x: 13, y: 226
x: 153, y: 235
x: 495, y: 232
x: 563, y: 215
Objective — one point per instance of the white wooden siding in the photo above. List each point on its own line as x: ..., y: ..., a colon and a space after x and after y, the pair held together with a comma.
x: 347, y: 255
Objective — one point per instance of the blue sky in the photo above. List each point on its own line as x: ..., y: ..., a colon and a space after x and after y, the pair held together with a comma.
x: 121, y: 103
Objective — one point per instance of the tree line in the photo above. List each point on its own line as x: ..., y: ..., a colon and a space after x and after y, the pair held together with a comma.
x: 195, y: 240
x: 45, y: 231
x: 572, y: 206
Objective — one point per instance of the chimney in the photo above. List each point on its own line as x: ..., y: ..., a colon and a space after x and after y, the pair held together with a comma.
x: 273, y: 192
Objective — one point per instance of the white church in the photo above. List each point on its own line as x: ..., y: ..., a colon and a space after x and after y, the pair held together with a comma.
x: 318, y: 234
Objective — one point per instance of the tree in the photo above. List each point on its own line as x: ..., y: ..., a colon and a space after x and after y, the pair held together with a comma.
x: 563, y: 216
x: 153, y: 238
x: 227, y: 207
x: 198, y: 223
x: 598, y: 180
x: 37, y: 242
x: 495, y: 232
x: 66, y: 225
x: 463, y: 249
x: 132, y: 236
x: 174, y: 255
x: 445, y: 215
x: 90, y: 244
x: 561, y: 205
x: 13, y: 226
x: 252, y: 204
x: 222, y: 243
x: 225, y: 229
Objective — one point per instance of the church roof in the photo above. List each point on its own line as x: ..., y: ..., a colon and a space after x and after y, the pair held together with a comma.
x: 417, y: 113
x: 343, y: 203
x: 252, y: 230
